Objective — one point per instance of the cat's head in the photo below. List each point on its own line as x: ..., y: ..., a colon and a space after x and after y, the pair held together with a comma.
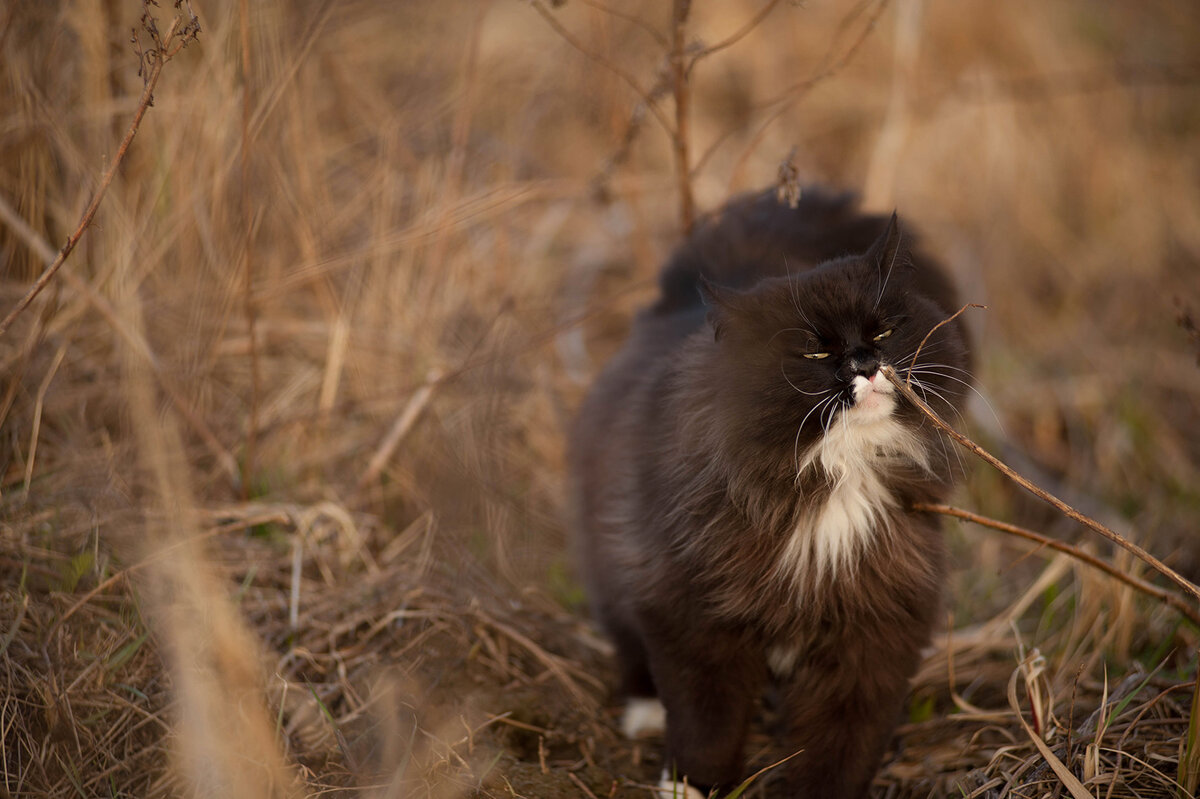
x: 803, y: 352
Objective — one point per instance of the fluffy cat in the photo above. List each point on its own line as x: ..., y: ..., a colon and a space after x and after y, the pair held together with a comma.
x: 740, y: 474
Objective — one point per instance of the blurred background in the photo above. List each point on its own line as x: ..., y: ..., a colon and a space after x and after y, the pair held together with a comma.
x: 281, y: 465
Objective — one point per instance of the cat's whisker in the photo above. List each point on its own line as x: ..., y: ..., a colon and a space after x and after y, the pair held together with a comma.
x: 908, y: 360
x: 926, y: 390
x: 796, y: 443
x: 891, y: 263
x: 833, y: 409
x: 931, y: 369
x: 795, y: 297
x: 790, y: 330
x: 939, y: 365
x: 798, y: 389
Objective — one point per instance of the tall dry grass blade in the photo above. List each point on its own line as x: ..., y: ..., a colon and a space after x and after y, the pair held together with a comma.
x: 226, y: 746
x: 249, y: 308
x: 1069, y: 780
x: 164, y: 47
x: 1189, y: 756
x: 400, y: 428
x: 38, y: 405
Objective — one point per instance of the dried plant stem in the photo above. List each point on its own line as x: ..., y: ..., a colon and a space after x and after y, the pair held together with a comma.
x: 829, y: 67
x: 157, y: 60
x: 679, y: 75
x: 933, y: 329
x: 1174, y: 600
x: 400, y: 428
x: 38, y: 406
x: 570, y: 39
x: 248, y: 305
x: 1040, y: 493
x: 630, y: 18
x: 1069, y: 780
x: 737, y: 35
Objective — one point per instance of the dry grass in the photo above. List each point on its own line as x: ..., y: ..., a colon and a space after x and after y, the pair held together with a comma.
x: 281, y: 458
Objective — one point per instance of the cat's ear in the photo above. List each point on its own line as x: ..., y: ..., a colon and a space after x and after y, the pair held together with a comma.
x: 890, y: 251
x: 723, y: 303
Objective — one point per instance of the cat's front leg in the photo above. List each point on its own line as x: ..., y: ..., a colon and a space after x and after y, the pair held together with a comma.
x: 708, y: 680
x: 841, y: 709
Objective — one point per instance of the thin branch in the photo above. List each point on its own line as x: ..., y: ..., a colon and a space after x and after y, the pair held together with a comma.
x: 570, y: 39
x: 790, y: 96
x: 599, y: 182
x: 737, y: 36
x: 630, y: 18
x: 157, y: 59
x: 679, y: 73
x: 945, y: 321
x: 1042, y: 494
x: 1172, y: 599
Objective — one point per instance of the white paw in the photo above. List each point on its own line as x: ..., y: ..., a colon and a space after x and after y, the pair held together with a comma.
x: 670, y: 789
x: 643, y: 717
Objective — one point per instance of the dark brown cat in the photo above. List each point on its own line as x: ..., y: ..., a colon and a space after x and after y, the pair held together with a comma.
x: 741, y: 473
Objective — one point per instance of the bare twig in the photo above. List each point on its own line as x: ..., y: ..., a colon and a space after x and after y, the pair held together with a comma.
x: 630, y: 18
x: 789, y: 97
x: 570, y: 39
x: 1040, y: 493
x: 403, y: 424
x: 153, y: 61
x: 637, y: 117
x: 586, y: 791
x: 735, y: 37
x: 947, y: 320
x: 679, y: 74
x: 1174, y: 600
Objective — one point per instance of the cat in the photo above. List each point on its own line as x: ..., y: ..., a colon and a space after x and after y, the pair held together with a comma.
x: 740, y: 474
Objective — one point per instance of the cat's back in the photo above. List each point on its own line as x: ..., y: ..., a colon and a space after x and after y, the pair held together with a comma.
x: 757, y: 236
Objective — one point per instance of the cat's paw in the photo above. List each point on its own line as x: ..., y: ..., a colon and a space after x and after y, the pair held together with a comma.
x: 643, y: 716
x: 670, y: 789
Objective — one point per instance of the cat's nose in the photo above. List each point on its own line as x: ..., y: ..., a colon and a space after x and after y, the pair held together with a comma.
x: 863, y: 362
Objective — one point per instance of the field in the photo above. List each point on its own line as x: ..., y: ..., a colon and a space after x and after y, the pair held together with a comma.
x: 281, y: 469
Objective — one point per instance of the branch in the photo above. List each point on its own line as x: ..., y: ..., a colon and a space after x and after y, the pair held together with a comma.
x: 153, y: 61
x: 1045, y: 496
x: 947, y: 320
x: 790, y: 96
x: 679, y: 74
x: 630, y: 18
x: 570, y: 39
x: 737, y: 36
x: 1174, y: 600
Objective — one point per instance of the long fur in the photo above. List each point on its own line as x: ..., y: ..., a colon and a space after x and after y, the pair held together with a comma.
x: 740, y: 478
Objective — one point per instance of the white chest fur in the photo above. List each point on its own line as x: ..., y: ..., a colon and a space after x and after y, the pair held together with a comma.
x: 855, y: 453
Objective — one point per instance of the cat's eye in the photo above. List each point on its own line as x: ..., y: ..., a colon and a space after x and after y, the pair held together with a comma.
x: 816, y: 356
x: 884, y: 335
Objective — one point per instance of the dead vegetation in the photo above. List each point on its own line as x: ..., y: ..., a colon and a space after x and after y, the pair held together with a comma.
x: 281, y: 497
